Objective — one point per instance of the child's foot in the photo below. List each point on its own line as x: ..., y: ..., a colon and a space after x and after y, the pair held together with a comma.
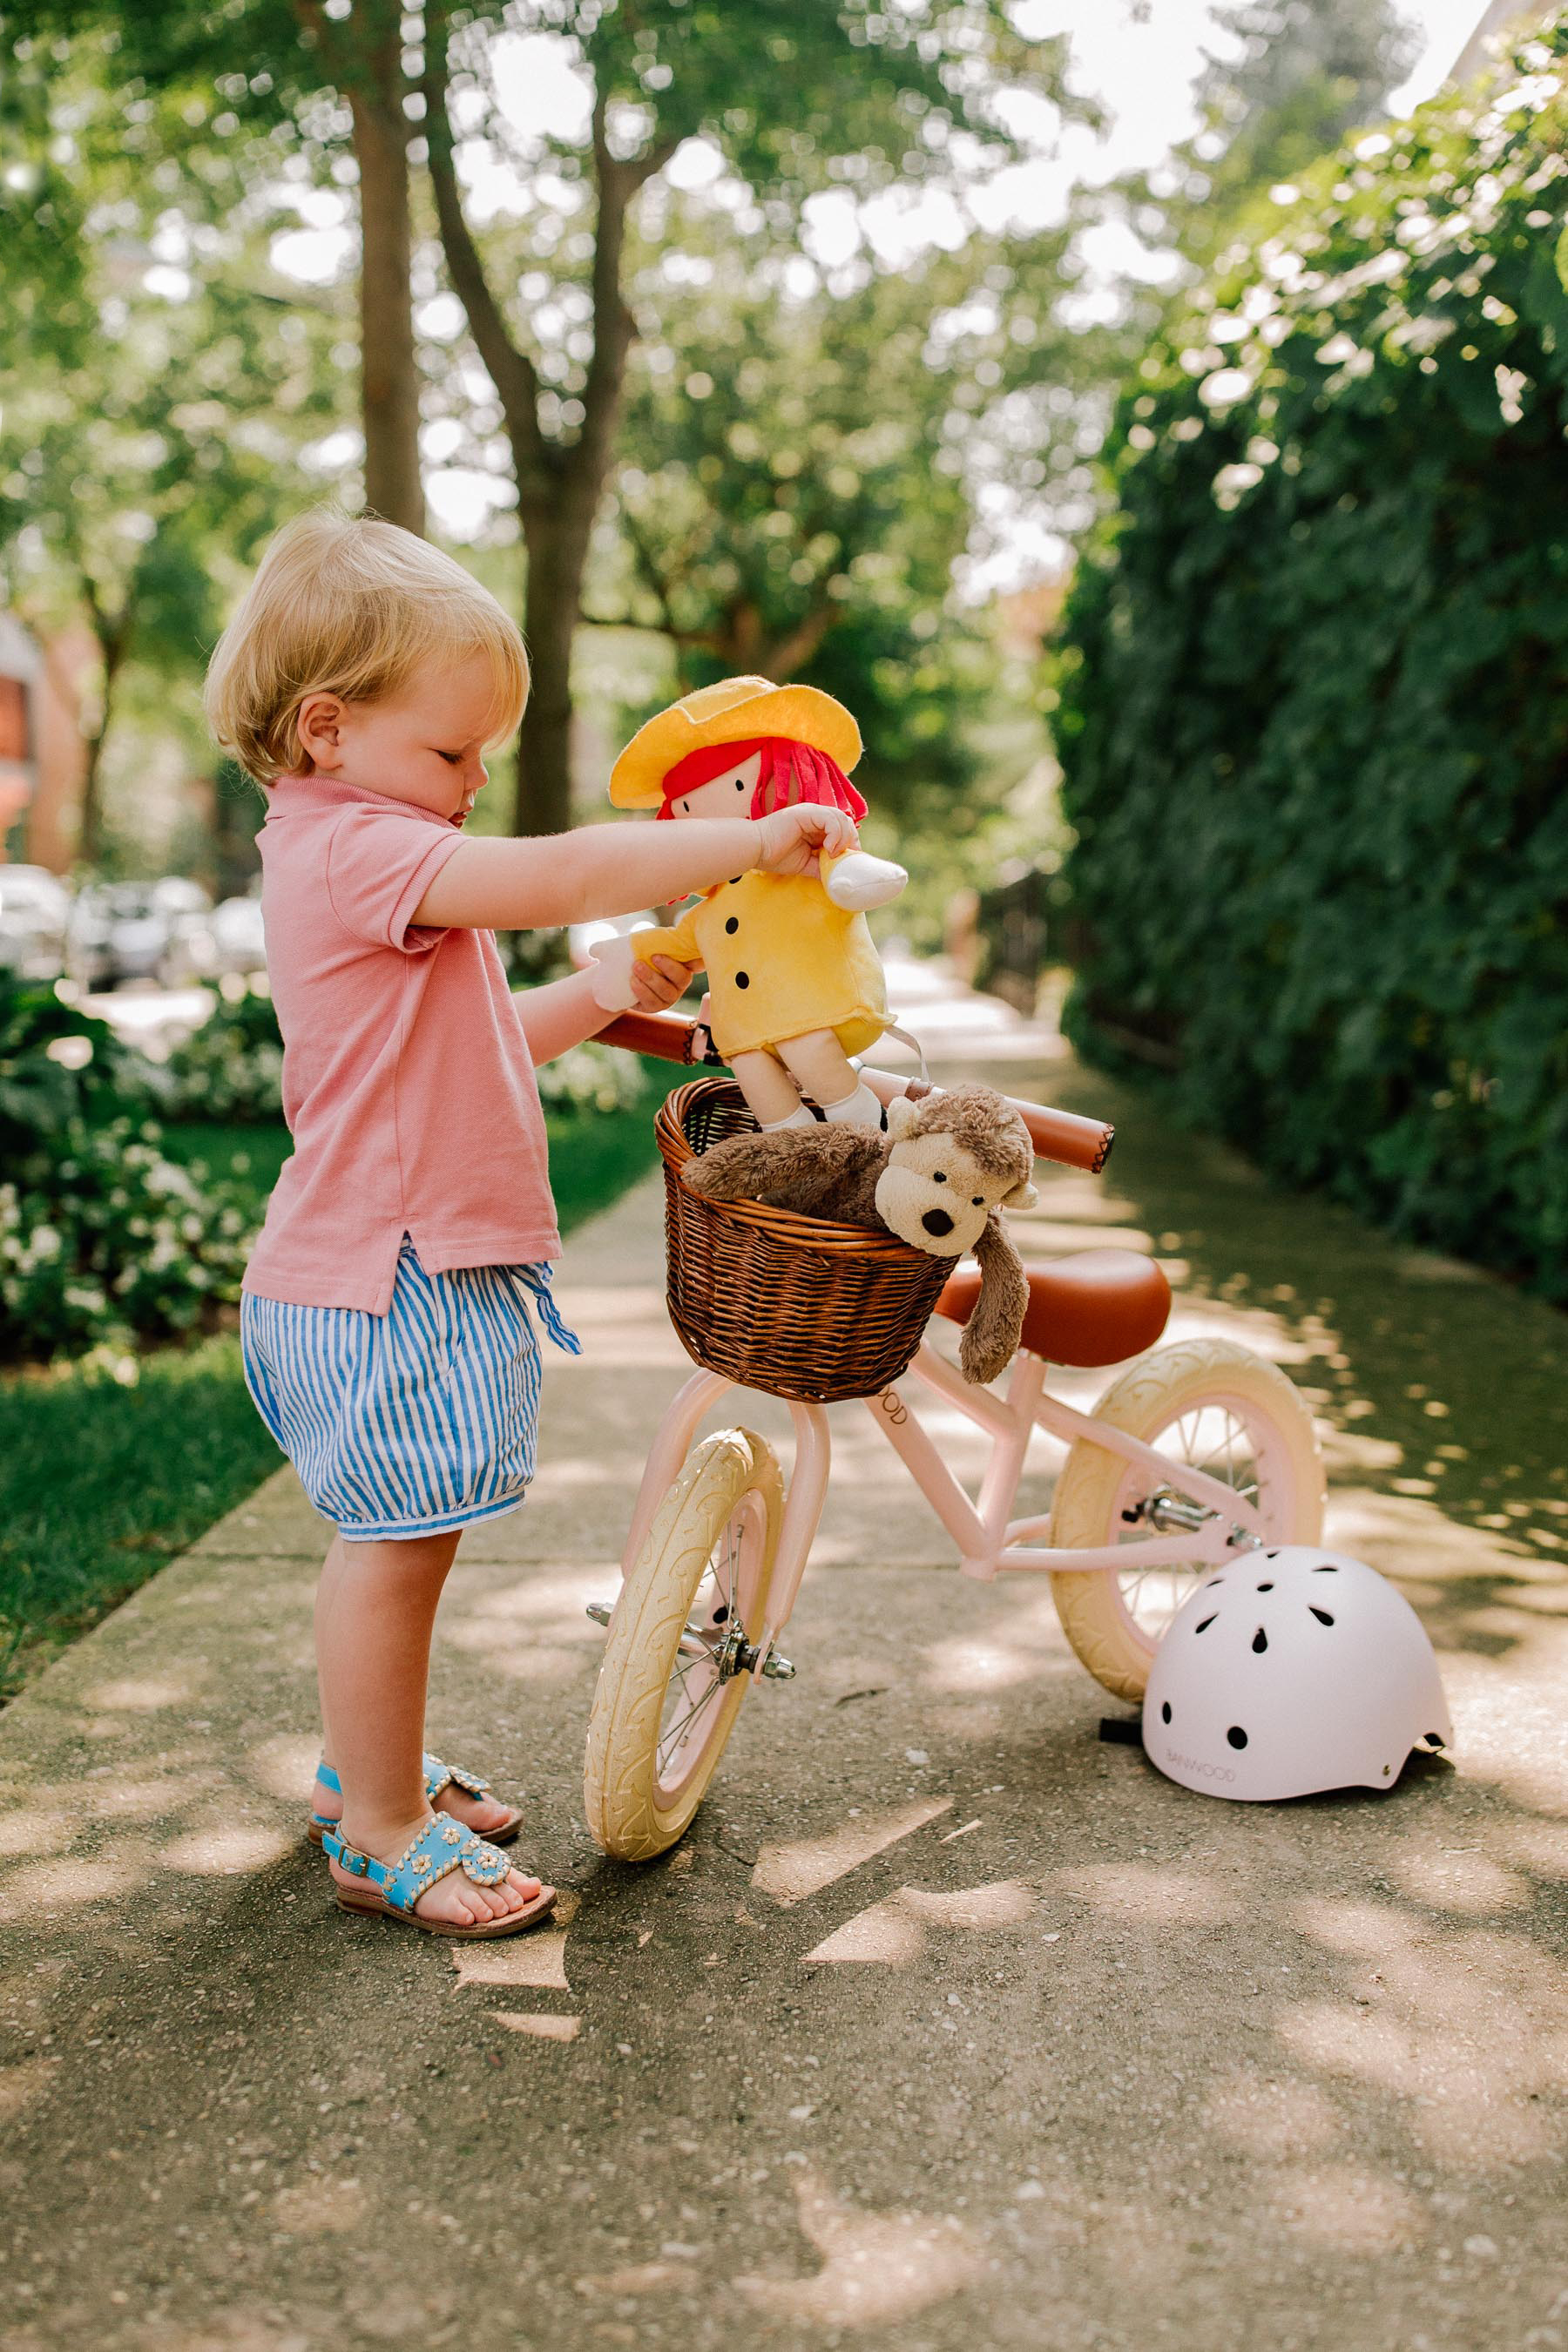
x: 454, y: 1900
x: 483, y: 1814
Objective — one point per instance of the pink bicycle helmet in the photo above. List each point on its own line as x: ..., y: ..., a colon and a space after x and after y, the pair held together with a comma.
x: 1290, y: 1672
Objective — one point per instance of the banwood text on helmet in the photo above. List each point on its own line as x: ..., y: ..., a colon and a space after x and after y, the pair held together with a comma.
x: 1292, y: 1671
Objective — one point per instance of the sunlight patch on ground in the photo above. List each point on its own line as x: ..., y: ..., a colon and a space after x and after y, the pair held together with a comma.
x: 286, y: 1766
x: 790, y: 1870
x: 895, y: 1931
x: 1347, y: 2210
x: 877, y: 2268
x: 32, y: 1830
x: 1469, y: 1883
x: 140, y: 1694
x: 22, y: 2084
x: 1402, y: 1533
x: 45, y: 1888
x: 320, y: 2208
x: 1266, y: 2117
x: 1463, y: 2027
x: 1155, y: 1893
x: 228, y: 1852
x: 537, y: 1957
x: 541, y: 2026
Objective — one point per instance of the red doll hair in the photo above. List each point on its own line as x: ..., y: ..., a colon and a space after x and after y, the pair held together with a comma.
x: 790, y: 772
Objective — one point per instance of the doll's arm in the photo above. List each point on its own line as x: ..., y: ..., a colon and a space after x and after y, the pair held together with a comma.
x: 624, y: 967
x: 859, y: 881
x: 678, y: 940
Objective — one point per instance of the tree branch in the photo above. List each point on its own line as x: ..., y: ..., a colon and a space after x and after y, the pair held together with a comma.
x: 614, y: 328
x: 791, y: 653
x: 510, y: 370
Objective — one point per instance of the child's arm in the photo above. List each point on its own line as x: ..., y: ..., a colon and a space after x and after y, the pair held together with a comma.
x: 615, y: 869
x: 564, y: 1012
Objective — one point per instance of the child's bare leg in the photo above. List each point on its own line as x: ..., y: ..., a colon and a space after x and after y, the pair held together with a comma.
x: 829, y: 1077
x: 771, y: 1094
x: 374, y: 1610
x: 481, y: 1813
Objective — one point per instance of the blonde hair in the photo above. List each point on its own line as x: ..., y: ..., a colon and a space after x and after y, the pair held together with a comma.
x: 345, y: 607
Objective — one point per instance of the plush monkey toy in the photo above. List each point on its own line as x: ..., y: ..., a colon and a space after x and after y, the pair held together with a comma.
x: 937, y: 1178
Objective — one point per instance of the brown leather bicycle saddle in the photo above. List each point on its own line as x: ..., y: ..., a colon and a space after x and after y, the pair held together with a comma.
x: 1097, y: 1306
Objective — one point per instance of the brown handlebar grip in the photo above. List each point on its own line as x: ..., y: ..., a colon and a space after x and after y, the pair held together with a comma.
x: 1060, y: 1135
x: 1066, y: 1137
x: 665, y: 1037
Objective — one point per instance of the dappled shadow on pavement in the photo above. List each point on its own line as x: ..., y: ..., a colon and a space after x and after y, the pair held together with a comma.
x: 948, y: 2027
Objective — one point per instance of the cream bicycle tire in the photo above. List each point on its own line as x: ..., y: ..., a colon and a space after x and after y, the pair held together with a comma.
x: 633, y: 1809
x: 1159, y: 1391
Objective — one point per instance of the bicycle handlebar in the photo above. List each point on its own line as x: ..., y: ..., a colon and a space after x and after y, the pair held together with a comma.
x: 1064, y: 1136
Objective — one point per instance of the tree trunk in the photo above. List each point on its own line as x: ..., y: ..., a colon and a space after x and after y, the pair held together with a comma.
x: 556, y: 556
x: 111, y: 643
x: 389, y: 374
x: 89, y: 822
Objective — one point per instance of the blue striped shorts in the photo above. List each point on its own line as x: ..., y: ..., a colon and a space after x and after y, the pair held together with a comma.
x: 414, y: 1421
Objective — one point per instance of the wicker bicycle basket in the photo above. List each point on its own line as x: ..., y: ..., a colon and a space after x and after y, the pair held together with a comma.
x: 788, y: 1303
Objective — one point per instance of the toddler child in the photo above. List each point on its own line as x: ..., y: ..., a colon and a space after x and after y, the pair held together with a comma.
x: 387, y: 1320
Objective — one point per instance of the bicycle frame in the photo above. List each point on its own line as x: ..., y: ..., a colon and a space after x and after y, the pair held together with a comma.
x: 989, y: 1542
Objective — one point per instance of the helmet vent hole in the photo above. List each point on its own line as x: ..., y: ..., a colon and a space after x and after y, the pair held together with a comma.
x: 1204, y: 1623
x: 1237, y: 1737
x: 1260, y: 1640
x: 1327, y: 1568
x: 1165, y: 1715
x: 1268, y: 1585
x: 1322, y: 1616
x: 1211, y: 1582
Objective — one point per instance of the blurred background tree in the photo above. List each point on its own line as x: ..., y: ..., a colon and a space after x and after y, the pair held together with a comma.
x: 1302, y: 74
x: 793, y: 100
x: 175, y: 380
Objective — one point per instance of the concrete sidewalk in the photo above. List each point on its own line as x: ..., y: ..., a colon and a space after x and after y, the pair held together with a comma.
x: 949, y: 2027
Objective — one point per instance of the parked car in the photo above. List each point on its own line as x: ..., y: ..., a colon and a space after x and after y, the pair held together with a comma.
x: 34, y: 917
x: 142, y: 930
x: 237, y: 937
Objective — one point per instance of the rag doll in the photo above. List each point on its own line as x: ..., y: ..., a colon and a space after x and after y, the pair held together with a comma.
x: 794, y: 983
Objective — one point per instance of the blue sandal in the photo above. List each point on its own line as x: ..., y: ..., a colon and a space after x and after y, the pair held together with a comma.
x: 437, y: 1777
x: 443, y: 1845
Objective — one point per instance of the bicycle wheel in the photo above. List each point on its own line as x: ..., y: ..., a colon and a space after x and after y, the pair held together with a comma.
x: 1211, y: 1403
x: 681, y: 1646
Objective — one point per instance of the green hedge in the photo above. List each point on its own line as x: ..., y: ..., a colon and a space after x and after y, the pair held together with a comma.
x: 1313, y: 687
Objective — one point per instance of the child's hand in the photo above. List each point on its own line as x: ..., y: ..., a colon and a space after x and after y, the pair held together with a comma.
x: 793, y: 839
x: 659, y: 983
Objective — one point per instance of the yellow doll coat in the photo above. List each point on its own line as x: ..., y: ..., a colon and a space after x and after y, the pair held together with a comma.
x: 782, y: 960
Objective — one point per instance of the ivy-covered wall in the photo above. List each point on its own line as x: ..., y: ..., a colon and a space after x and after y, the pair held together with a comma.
x: 1313, y: 686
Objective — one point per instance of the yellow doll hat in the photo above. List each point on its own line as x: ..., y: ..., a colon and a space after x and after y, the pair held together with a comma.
x: 733, y: 711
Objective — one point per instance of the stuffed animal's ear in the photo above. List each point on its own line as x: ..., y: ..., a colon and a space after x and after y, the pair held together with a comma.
x: 902, y: 1115
x: 1022, y: 1196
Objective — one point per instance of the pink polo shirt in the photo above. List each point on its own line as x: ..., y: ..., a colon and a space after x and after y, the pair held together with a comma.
x: 408, y: 1083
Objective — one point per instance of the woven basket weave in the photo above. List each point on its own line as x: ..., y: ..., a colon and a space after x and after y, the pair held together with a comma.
x: 788, y: 1303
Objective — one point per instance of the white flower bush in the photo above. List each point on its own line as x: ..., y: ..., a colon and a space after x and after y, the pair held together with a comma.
x: 112, y: 1245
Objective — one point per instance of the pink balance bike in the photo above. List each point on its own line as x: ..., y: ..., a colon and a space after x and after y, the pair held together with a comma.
x: 1194, y: 1449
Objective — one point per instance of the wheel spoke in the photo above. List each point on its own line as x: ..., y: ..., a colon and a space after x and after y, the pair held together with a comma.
x: 670, y: 1740
x: 1213, y: 1440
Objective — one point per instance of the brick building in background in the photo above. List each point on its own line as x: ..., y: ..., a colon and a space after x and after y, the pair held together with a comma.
x: 42, y: 756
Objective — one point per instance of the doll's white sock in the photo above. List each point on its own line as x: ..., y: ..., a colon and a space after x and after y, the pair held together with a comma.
x: 799, y: 1116
x: 859, y: 1109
